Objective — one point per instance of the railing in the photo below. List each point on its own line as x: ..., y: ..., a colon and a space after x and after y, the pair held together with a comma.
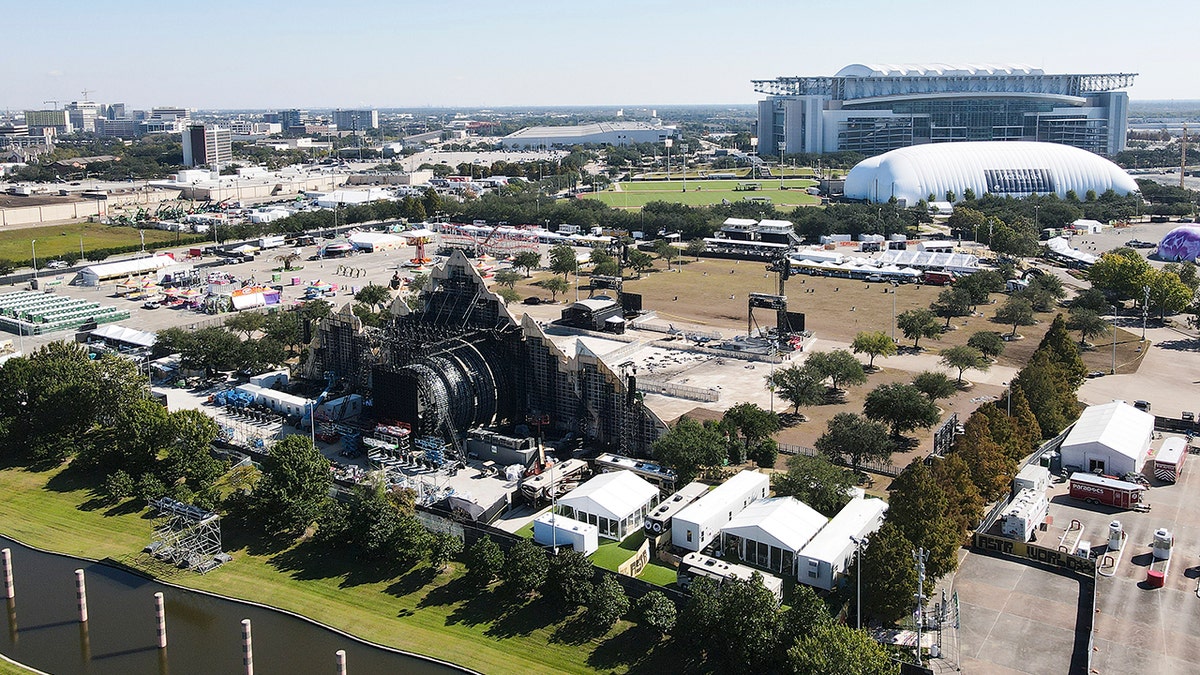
x: 880, y: 468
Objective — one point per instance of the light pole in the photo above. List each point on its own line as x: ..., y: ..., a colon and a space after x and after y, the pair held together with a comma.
x: 683, y: 148
x: 33, y: 246
x: 1145, y: 309
x: 894, y: 312
x: 858, y: 544
x: 782, y: 147
x: 668, y: 143
x: 1113, y: 369
x: 754, y: 154
x: 919, y: 557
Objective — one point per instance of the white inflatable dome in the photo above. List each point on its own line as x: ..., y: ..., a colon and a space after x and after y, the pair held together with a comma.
x: 1004, y: 168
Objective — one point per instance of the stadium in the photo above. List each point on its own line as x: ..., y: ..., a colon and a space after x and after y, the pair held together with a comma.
x: 1016, y: 169
x: 880, y: 107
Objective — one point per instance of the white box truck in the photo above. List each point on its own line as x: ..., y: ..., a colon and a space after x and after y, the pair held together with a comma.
x: 273, y: 241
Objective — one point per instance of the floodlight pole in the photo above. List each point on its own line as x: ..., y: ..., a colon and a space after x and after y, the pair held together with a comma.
x: 33, y: 247
x: 667, y: 143
x: 1145, y: 309
x: 782, y: 147
x: 919, y: 557
x: 683, y: 147
x: 1113, y: 369
x: 858, y: 544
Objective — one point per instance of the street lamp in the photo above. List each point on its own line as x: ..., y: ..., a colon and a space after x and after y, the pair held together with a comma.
x: 683, y: 147
x: 1145, y: 309
x: 754, y: 154
x: 858, y: 544
x: 33, y: 246
x: 782, y: 147
x: 893, y: 292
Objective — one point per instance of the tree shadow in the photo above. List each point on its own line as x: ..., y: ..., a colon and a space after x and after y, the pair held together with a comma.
x: 522, y: 619
x: 414, y: 580
x: 72, y: 479
x: 1188, y: 345
x: 578, y: 629
x: 475, y: 607
x: 311, y: 560
x: 127, y: 507
x: 638, y: 650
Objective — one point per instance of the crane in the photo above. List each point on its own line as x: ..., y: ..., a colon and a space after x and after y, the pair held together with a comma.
x: 54, y: 102
x: 85, y: 93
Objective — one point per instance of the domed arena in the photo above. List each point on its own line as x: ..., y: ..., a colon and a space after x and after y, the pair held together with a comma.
x: 1180, y: 244
x: 1002, y: 168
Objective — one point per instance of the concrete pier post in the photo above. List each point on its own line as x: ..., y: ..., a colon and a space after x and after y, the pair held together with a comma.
x: 341, y: 661
x: 160, y: 615
x: 81, y: 596
x: 10, y: 591
x: 247, y: 648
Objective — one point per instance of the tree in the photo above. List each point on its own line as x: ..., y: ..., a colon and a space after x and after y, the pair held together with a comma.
x: 1050, y: 394
x: 374, y: 296
x: 918, y: 507
x: 816, y: 482
x: 1168, y: 294
x: 508, y: 296
x: 294, y: 487
x: 934, y: 384
x: 688, y: 448
x: 856, y: 437
x: 527, y: 260
x: 246, y: 322
x: 839, y: 365
x: 484, y: 561
x: 657, y: 611
x: 990, y: 468
x: 837, y: 649
x: 963, y: 357
x: 873, y: 343
x: 443, y: 547
x: 188, y: 436
x: 1088, y: 323
x: 1120, y: 274
x: 980, y: 285
x: 666, y: 251
x: 608, y: 602
x: 525, y: 568
x: 798, y: 386
x: 1016, y: 311
x: 902, y: 406
x: 284, y: 328
x: 695, y: 247
x: 555, y: 286
x: 964, y: 503
x: 507, y: 278
x: 887, y: 562
x: 918, y: 323
x: 750, y: 625
x: 118, y: 485
x: 951, y: 302
x: 987, y: 341
x: 563, y: 260
x: 753, y: 424
x: 1092, y: 299
x: 570, y: 578
x: 287, y: 259
x: 806, y: 613
x: 1064, y: 353
x: 640, y: 261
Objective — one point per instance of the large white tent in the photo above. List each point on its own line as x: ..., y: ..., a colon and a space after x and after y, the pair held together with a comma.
x: 1113, y: 438
x: 375, y: 241
x: 94, y: 274
x: 770, y: 532
x: 617, y: 502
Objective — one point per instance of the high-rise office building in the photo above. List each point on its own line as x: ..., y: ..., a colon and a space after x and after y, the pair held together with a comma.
x: 356, y: 120
x: 83, y: 114
x: 876, y: 108
x: 205, y: 144
x: 58, y: 120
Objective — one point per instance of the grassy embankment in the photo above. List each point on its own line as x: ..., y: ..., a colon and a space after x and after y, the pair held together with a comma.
x: 55, y: 240
x: 417, y: 610
x: 634, y: 195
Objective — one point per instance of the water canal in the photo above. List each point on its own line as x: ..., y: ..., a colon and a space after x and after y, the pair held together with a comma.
x: 41, y: 628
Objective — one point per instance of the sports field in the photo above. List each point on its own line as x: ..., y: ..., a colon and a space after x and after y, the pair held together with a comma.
x: 636, y: 194
x: 55, y: 240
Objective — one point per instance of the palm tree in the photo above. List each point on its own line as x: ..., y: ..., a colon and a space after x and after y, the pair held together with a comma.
x: 287, y: 259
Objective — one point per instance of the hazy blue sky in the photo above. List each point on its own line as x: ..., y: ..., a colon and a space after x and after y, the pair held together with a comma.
x: 251, y: 54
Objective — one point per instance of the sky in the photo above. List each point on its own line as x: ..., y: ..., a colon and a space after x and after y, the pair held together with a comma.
x: 252, y: 54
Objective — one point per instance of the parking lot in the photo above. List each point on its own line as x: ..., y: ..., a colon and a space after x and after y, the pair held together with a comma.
x: 1023, y: 617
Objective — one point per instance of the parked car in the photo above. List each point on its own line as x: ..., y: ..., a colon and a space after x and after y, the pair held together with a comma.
x: 150, y: 305
x: 1137, y: 243
x: 1096, y: 373
x: 875, y: 277
x: 1144, y: 406
x: 57, y: 264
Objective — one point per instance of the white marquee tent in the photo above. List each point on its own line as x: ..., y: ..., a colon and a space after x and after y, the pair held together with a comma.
x: 617, y: 502
x: 1113, y: 438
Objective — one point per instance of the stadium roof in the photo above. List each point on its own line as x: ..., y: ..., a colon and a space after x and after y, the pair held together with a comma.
x: 1003, y: 168
x: 581, y: 130
x: 935, y: 69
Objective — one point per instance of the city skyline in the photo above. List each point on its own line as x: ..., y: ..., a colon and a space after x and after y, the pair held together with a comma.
x: 409, y: 55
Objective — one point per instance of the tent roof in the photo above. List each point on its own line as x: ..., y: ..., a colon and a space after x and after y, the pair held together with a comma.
x: 375, y: 238
x: 124, y: 334
x: 854, y: 517
x: 615, y: 495
x: 785, y: 522
x: 127, y: 267
x: 1117, y: 426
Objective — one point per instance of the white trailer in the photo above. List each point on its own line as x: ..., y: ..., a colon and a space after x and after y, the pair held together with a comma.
x: 551, y: 529
x: 1032, y: 477
x: 698, y: 525
x: 274, y: 241
x: 1024, y: 515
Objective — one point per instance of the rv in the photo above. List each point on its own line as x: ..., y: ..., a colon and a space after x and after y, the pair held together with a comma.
x: 696, y: 565
x: 554, y: 480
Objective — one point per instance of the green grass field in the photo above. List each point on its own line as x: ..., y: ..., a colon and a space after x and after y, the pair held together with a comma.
x: 706, y: 192
x: 418, y: 610
x: 55, y: 240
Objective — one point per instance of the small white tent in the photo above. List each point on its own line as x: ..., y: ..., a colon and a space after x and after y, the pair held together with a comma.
x: 1113, y: 438
x: 617, y: 502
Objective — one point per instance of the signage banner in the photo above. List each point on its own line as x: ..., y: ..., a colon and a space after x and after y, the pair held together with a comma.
x: 1034, y: 552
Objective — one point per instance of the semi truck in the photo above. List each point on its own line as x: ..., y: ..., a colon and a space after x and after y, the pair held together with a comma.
x: 1095, y: 489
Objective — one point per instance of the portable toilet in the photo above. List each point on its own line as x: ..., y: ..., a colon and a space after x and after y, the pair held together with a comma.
x: 1116, y: 535
x: 1163, y: 541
